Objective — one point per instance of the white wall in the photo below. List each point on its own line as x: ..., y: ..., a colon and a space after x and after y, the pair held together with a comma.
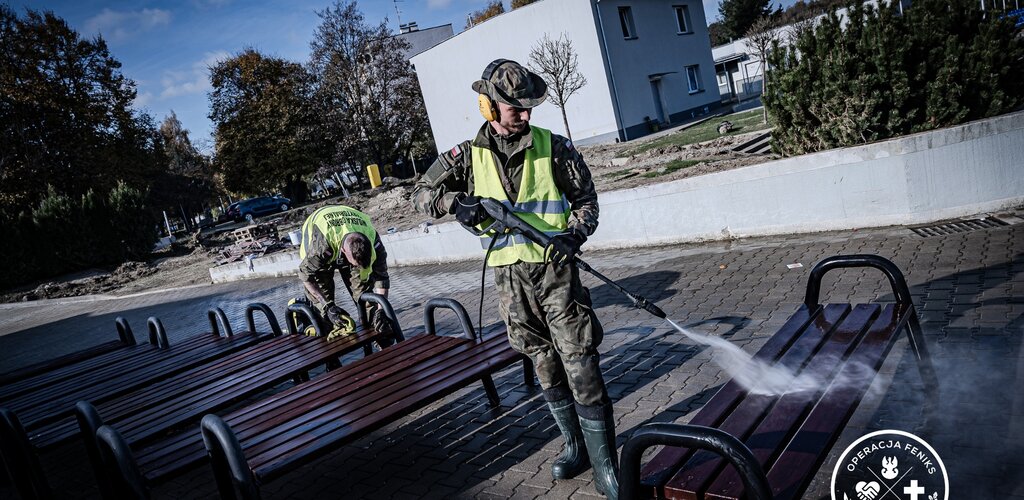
x: 917, y: 179
x: 447, y: 71
x: 955, y: 172
x: 657, y: 49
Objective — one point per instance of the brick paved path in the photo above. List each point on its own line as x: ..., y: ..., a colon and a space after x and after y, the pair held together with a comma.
x: 969, y: 289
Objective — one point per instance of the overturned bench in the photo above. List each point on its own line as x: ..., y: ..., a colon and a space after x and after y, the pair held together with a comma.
x: 742, y: 445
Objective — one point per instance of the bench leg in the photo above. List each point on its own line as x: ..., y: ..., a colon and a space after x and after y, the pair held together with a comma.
x: 529, y: 373
x: 367, y: 350
x: 492, y: 392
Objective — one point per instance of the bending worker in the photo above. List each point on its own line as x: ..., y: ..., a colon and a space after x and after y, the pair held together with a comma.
x: 341, y: 238
x: 545, y: 307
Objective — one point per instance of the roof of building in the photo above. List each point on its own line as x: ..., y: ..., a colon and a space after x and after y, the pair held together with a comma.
x: 423, y: 39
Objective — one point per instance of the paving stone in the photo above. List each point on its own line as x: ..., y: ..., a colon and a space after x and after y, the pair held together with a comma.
x: 968, y: 289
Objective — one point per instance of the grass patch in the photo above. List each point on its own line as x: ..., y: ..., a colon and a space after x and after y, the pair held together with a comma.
x: 743, y: 122
x: 672, y: 167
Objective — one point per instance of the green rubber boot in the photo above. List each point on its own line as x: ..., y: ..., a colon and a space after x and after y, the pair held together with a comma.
x: 599, y: 436
x: 573, y: 459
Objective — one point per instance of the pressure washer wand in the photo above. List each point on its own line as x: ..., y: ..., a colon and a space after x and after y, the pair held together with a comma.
x: 505, y: 221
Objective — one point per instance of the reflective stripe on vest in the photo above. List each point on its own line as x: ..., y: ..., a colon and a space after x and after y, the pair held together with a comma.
x: 335, y: 222
x: 540, y: 202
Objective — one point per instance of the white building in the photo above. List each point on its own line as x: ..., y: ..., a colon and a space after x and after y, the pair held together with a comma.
x: 645, y: 61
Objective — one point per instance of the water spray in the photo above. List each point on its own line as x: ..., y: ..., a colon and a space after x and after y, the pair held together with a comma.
x: 755, y: 375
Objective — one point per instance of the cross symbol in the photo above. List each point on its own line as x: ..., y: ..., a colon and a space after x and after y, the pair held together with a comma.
x: 913, y: 490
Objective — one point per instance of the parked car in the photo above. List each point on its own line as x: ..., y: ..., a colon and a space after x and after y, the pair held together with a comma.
x: 255, y: 207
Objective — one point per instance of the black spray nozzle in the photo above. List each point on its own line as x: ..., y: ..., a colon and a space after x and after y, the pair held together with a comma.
x: 642, y: 303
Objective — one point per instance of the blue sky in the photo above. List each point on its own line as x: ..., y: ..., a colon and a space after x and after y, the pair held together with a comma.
x: 166, y: 46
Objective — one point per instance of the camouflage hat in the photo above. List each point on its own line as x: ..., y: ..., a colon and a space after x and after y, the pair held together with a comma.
x: 513, y: 84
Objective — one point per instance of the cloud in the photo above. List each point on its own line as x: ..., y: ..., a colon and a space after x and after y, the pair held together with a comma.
x: 142, y: 100
x: 438, y: 4
x: 193, y: 81
x: 117, y: 26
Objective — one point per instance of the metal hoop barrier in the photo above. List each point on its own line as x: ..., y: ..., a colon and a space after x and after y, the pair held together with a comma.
x: 896, y: 280
x: 250, y: 320
x: 124, y: 331
x: 89, y: 421
x: 389, y: 311
x: 291, y: 317
x: 229, y: 466
x: 690, y: 436
x: 128, y: 483
x: 216, y: 315
x: 445, y: 303
x: 157, y: 333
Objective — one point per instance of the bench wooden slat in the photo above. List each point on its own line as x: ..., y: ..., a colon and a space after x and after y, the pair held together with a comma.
x: 42, y: 380
x: 411, y: 396
x: 168, y: 457
x: 149, y: 411
x: 43, y: 406
x: 656, y: 472
x: 806, y: 450
x: 701, y: 468
x: 62, y: 361
x: 773, y: 431
x: 295, y: 423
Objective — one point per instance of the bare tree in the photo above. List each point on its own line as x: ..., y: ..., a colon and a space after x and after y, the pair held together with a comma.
x: 557, y: 63
x: 760, y: 37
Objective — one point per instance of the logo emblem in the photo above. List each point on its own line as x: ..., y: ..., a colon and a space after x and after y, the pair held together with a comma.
x: 890, y: 465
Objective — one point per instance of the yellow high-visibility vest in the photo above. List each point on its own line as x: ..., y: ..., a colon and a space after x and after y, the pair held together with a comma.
x: 540, y: 202
x: 334, y: 222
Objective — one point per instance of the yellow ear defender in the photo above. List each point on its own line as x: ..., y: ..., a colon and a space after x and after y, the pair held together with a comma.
x: 488, y: 109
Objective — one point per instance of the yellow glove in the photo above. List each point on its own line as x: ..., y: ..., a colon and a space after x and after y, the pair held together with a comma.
x: 347, y: 327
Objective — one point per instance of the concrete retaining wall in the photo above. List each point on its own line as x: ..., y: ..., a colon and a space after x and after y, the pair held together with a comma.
x: 954, y: 172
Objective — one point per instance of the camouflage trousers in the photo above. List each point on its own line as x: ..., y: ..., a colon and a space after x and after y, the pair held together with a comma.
x: 550, y: 319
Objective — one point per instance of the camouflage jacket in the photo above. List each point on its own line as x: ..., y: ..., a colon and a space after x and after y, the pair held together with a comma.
x: 452, y: 173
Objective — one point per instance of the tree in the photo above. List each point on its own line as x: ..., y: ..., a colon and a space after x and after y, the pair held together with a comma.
x: 187, y: 182
x: 716, y: 32
x: 521, y: 3
x: 880, y: 74
x: 266, y: 129
x: 558, y: 64
x: 739, y: 15
x: 365, y: 90
x: 65, y: 113
x: 760, y: 37
x: 493, y: 8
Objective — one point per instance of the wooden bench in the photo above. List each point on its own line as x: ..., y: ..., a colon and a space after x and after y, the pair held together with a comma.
x: 49, y: 398
x: 125, y: 342
x: 150, y: 411
x: 741, y: 445
x: 261, y: 441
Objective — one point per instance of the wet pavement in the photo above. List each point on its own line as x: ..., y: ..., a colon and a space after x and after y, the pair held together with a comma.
x: 968, y: 289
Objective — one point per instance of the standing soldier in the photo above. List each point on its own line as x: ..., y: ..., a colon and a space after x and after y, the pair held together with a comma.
x: 341, y: 238
x: 547, y: 310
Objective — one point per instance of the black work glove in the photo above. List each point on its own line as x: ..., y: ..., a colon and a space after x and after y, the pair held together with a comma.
x: 469, y: 211
x: 381, y: 323
x: 336, y: 315
x: 564, y: 246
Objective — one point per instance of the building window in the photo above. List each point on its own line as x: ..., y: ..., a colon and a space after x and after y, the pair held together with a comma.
x: 693, y: 78
x: 626, y: 20
x: 683, y: 19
